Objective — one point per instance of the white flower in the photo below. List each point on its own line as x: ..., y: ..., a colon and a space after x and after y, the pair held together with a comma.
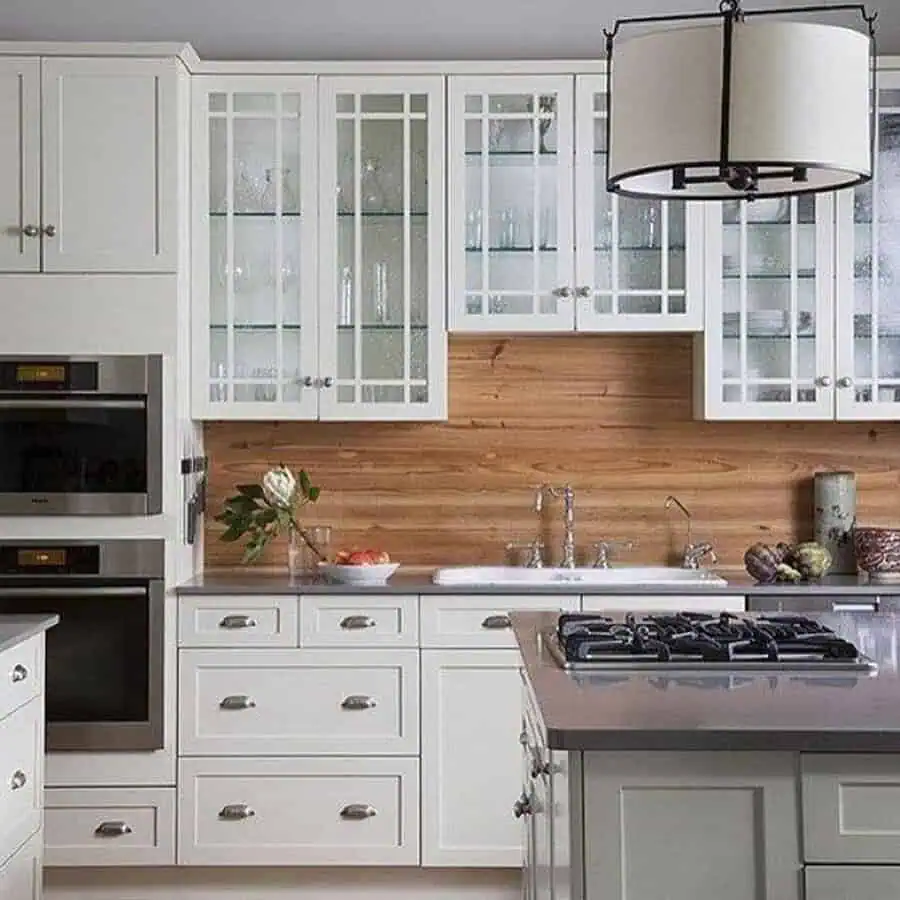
x: 279, y: 486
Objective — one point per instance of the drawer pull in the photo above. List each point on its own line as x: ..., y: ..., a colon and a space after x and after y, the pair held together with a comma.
x: 355, y: 623
x: 233, y: 812
x: 496, y: 622
x: 18, y: 781
x: 358, y: 811
x: 358, y: 701
x: 19, y: 673
x: 237, y: 701
x: 238, y: 622
x: 112, y: 829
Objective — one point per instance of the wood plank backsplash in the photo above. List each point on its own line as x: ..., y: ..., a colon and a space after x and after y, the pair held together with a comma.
x: 611, y: 415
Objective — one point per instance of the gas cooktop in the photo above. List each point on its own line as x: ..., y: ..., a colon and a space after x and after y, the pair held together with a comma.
x: 687, y: 640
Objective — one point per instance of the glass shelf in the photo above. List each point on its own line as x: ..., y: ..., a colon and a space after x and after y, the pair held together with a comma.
x: 512, y: 249
x: 732, y: 335
x: 254, y: 215
x: 383, y: 327
x: 216, y: 326
x: 392, y: 214
x: 640, y: 248
x: 801, y: 273
x: 510, y: 154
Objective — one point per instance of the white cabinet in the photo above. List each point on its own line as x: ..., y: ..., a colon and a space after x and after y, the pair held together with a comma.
x: 471, y: 771
x: 89, y: 161
x: 525, y: 256
x: 20, y: 876
x: 802, y: 321
x: 852, y: 882
x: 318, y: 248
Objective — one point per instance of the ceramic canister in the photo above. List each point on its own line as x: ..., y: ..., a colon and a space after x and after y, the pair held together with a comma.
x: 835, y: 516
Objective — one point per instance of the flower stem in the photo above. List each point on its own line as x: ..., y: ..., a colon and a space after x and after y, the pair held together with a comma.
x: 307, y: 540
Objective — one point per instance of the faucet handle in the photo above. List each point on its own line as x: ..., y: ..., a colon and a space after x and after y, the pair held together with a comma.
x: 605, y: 549
x: 534, y: 549
x: 693, y: 553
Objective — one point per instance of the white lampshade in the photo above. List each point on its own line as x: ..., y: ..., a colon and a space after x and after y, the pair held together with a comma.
x: 799, y: 97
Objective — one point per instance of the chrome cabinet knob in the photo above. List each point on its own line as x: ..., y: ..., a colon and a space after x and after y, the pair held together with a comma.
x: 583, y: 291
x: 824, y: 381
x: 308, y: 381
x: 522, y: 807
x: 845, y: 382
x: 495, y: 623
x: 358, y: 811
x: 31, y: 231
x: 18, y: 781
x: 355, y: 623
x: 237, y: 701
x: 328, y: 382
x: 539, y: 768
x: 19, y: 673
x: 358, y: 701
x: 50, y: 230
x: 112, y: 829
x: 564, y: 291
x: 238, y: 622
x: 236, y: 811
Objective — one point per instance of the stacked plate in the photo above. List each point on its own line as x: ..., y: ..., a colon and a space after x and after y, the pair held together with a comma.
x: 767, y: 321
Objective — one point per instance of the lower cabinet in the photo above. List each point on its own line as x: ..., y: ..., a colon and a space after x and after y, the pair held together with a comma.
x: 852, y: 882
x: 316, y: 811
x: 20, y: 876
x: 109, y: 827
x: 471, y: 758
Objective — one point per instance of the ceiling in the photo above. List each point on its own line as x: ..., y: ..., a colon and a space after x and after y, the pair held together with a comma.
x: 368, y: 29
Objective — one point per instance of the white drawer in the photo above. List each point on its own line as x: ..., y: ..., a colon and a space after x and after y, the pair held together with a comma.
x: 109, y: 827
x: 389, y: 620
x: 851, y: 807
x: 287, y: 812
x: 20, y: 876
x: 21, y: 774
x: 480, y: 620
x: 21, y: 674
x: 271, y: 702
x: 237, y: 621
x: 710, y: 602
x: 852, y: 882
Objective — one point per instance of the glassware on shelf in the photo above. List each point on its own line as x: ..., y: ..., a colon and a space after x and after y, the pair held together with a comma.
x: 267, y: 199
x: 547, y: 110
x: 547, y: 233
x: 380, y: 310
x: 374, y: 194
x: 508, y: 238
x: 345, y: 315
x: 248, y: 188
x: 649, y: 222
x: 473, y: 229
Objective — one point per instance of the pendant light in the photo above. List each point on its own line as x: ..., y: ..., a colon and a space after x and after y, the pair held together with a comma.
x: 750, y: 105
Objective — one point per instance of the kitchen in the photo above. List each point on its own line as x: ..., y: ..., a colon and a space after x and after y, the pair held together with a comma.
x: 476, y: 330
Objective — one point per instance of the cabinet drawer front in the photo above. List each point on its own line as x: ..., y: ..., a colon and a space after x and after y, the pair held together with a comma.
x: 21, y: 674
x: 857, y: 882
x: 369, y: 621
x: 109, y: 827
x: 711, y: 601
x: 266, y: 702
x: 474, y: 620
x: 851, y: 808
x: 21, y: 774
x: 237, y: 621
x: 299, y: 812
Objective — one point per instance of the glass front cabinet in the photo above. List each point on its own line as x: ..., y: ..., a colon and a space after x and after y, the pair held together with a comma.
x: 536, y: 243
x: 318, y: 287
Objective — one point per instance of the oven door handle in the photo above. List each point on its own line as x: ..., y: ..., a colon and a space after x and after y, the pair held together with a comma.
x: 24, y: 402
x: 76, y: 591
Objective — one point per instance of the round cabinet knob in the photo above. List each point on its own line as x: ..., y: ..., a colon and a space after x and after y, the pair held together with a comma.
x: 564, y: 291
x: 824, y: 381
x: 31, y: 231
x: 522, y: 807
x: 308, y: 381
x: 18, y: 780
x: 19, y: 673
x: 845, y: 382
x: 328, y: 382
x: 583, y: 291
x: 50, y: 230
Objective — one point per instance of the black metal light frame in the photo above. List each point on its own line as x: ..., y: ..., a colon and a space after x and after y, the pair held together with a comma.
x: 741, y: 176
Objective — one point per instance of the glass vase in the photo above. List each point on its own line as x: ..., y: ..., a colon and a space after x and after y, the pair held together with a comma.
x: 303, y: 560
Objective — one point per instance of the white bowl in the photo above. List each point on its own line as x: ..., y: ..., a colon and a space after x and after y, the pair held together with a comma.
x: 359, y: 574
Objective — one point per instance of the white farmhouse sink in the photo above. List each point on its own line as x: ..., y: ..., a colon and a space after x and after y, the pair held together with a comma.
x: 512, y: 576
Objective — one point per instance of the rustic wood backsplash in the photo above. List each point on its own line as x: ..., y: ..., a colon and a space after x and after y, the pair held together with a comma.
x: 611, y: 415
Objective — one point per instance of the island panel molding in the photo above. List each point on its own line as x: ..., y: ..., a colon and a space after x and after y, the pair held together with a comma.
x: 612, y: 415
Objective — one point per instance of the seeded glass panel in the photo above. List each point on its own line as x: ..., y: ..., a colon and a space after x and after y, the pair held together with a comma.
x: 885, y: 254
x: 254, y: 103
x: 254, y: 270
x: 217, y: 102
x: 218, y: 165
x: 219, y: 271
x: 254, y: 353
x: 381, y: 103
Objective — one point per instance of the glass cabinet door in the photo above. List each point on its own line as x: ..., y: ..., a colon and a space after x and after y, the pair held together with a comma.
x: 638, y: 262
x: 254, y: 309
x: 511, y: 220
x: 769, y: 309
x: 382, y: 332
x: 868, y: 255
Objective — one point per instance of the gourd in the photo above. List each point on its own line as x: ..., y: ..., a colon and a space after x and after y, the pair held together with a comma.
x: 811, y: 559
x: 762, y: 562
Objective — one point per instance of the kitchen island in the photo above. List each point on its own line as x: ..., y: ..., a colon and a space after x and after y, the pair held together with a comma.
x: 664, y: 785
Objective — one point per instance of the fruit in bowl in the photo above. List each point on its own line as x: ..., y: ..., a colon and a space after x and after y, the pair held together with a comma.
x: 362, y: 558
x: 359, y: 567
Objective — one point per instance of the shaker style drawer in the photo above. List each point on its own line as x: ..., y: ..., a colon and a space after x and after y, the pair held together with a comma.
x: 391, y: 620
x: 287, y: 812
x: 856, y: 882
x: 21, y: 774
x: 269, y: 702
x: 21, y: 674
x: 711, y: 602
x: 238, y: 621
x: 109, y: 827
x: 851, y: 807
x: 480, y: 620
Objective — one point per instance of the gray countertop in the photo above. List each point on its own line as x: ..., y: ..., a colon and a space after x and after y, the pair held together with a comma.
x: 843, y: 712
x: 256, y: 582
x: 18, y: 628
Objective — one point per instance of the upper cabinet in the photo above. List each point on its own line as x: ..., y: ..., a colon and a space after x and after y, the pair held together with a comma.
x: 536, y: 243
x: 318, y: 286
x: 88, y: 165
x: 802, y: 318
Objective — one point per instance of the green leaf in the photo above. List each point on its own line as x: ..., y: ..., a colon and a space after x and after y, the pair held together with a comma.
x: 267, y: 516
x: 304, y: 483
x: 314, y: 494
x: 232, y: 534
x: 254, y: 491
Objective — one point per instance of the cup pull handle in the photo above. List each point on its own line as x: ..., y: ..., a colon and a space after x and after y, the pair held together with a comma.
x: 238, y: 622
x: 237, y: 701
x: 112, y: 829
x: 358, y: 811
x: 234, y: 812
x: 358, y: 701
x: 496, y: 622
x: 355, y: 623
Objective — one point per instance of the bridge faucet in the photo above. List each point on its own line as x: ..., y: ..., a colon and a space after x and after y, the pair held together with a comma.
x: 568, y: 495
x: 692, y: 553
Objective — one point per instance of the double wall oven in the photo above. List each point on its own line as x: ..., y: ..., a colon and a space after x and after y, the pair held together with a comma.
x: 104, y: 688
x: 81, y: 435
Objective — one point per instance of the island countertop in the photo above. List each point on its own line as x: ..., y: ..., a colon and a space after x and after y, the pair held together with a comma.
x: 846, y: 712
x: 249, y: 581
x: 17, y: 628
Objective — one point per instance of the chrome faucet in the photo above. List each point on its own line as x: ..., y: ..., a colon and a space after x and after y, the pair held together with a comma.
x: 692, y: 553
x: 568, y: 495
x: 604, y: 551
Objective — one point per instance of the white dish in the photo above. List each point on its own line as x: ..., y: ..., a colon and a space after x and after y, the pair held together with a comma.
x: 359, y: 574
